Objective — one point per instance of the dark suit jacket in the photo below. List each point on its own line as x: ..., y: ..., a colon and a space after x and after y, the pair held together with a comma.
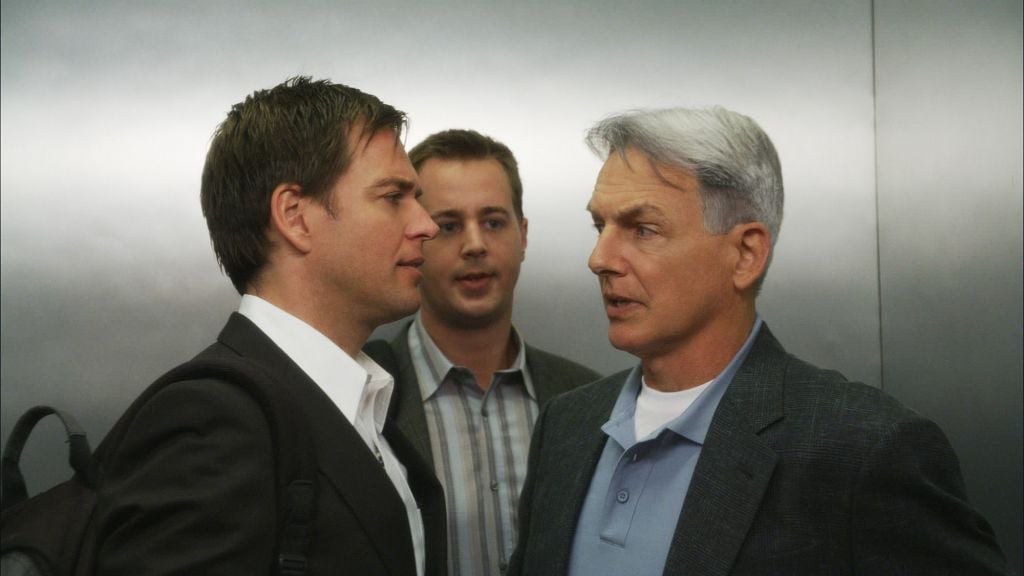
x: 188, y: 484
x: 801, y: 473
x: 551, y: 375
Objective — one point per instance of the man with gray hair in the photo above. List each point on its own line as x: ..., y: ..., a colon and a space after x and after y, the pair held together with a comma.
x: 721, y: 453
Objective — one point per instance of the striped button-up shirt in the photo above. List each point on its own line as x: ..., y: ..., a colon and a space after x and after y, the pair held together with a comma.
x: 480, y: 440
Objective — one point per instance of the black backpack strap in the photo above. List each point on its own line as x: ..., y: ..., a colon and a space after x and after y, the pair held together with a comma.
x: 298, y: 528
x: 79, y: 454
x: 294, y: 451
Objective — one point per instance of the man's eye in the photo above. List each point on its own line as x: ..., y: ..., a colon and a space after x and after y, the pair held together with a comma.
x: 644, y: 231
x: 394, y: 197
x: 599, y: 226
x: 448, y: 227
x: 494, y: 224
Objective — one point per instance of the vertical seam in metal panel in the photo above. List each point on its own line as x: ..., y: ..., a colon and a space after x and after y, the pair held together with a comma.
x: 878, y: 219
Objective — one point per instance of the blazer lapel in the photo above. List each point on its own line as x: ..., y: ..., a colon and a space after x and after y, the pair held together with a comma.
x: 543, y: 375
x: 429, y: 495
x: 361, y: 482
x: 343, y: 458
x: 406, y: 431
x: 406, y: 409
x: 734, y: 469
x: 570, y: 466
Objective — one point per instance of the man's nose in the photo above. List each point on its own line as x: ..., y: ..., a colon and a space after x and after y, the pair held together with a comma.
x: 422, y: 226
x: 603, y: 258
x: 473, y: 241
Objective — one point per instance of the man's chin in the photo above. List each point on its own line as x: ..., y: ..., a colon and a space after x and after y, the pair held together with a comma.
x: 472, y: 317
x: 624, y: 340
x: 399, y: 309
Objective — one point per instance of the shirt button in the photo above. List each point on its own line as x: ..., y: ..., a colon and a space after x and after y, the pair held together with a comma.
x: 494, y: 486
x: 622, y: 496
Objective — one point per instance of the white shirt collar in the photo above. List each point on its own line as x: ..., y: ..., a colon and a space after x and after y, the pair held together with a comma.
x: 357, y: 386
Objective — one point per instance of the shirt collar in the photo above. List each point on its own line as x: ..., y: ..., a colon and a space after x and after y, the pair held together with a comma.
x: 354, y: 385
x: 438, y: 366
x: 694, y: 422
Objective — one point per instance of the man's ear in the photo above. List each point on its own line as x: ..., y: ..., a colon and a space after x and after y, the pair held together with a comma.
x: 754, y: 244
x: 523, y: 229
x: 289, y: 216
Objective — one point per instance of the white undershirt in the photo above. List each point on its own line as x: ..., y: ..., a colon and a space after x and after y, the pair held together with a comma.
x: 358, y: 387
x: 654, y: 409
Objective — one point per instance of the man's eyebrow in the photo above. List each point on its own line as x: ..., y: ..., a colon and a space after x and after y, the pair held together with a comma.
x: 634, y: 212
x: 487, y: 210
x: 447, y: 213
x: 402, y: 183
x: 638, y: 211
x: 455, y: 213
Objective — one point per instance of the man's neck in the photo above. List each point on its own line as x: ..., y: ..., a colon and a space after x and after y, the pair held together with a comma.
x: 699, y: 360
x: 483, y: 350
x: 331, y: 321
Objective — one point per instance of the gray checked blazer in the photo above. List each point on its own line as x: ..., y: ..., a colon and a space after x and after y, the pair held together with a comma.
x: 551, y: 375
x: 802, y: 473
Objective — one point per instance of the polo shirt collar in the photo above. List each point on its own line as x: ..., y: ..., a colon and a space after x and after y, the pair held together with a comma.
x: 694, y: 422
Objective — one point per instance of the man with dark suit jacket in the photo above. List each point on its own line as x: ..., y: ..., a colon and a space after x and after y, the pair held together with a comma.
x: 311, y: 205
x: 721, y: 453
x: 468, y: 387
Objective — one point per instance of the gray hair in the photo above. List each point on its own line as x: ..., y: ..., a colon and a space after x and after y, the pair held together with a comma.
x: 732, y: 158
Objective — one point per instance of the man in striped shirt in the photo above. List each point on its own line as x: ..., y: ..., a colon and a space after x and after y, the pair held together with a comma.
x: 468, y: 389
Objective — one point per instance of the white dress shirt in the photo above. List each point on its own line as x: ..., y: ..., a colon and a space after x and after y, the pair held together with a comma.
x: 358, y: 387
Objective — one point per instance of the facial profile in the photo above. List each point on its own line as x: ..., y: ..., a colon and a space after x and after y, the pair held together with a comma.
x: 367, y: 243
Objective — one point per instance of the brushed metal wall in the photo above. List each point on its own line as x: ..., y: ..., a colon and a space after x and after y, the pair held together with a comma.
x: 107, y: 276
x: 949, y: 140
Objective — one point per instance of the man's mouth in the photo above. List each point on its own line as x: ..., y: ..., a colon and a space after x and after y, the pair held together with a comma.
x: 616, y: 306
x: 415, y: 262
x: 474, y: 281
x: 613, y: 299
x: 474, y: 276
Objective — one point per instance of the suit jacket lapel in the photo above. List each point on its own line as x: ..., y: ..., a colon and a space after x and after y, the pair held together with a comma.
x: 734, y: 469
x: 543, y: 375
x: 429, y: 495
x: 406, y: 409
x: 343, y: 457
x: 573, y: 465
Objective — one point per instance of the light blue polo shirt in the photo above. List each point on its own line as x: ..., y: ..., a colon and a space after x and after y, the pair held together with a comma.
x: 636, y: 495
